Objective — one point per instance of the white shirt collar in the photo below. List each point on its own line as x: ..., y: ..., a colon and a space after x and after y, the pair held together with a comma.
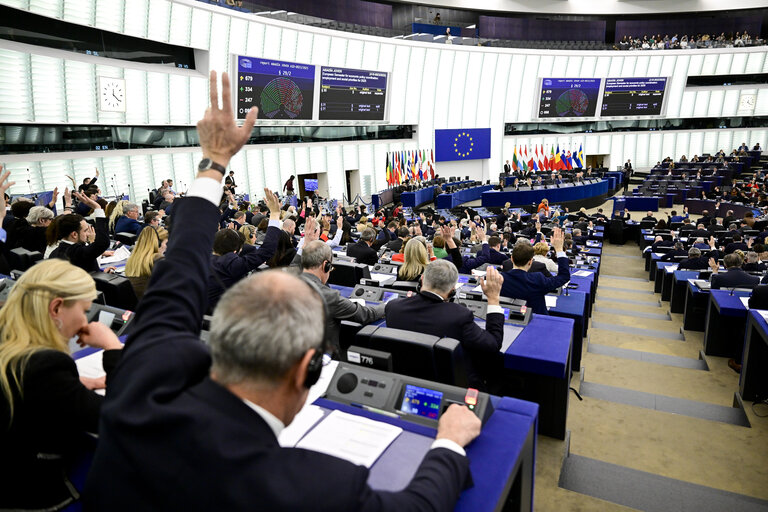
x: 270, y: 419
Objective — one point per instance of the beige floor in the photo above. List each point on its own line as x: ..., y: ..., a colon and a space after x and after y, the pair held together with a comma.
x: 709, y: 453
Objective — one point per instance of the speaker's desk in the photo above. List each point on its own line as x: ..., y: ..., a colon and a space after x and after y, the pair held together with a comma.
x: 725, y: 322
x: 753, y: 382
x: 501, y: 459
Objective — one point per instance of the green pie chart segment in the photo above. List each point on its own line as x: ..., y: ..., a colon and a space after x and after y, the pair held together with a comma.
x: 572, y: 103
x: 281, y: 98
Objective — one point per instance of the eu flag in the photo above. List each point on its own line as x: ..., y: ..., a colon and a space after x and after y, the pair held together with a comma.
x: 462, y: 144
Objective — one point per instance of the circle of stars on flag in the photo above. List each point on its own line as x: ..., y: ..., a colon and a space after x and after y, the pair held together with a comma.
x: 465, y: 140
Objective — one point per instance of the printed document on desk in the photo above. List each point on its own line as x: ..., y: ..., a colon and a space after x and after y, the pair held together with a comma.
x: 91, y: 366
x: 121, y: 254
x: 582, y: 273
x: 354, y: 438
x: 304, y: 420
x: 551, y: 301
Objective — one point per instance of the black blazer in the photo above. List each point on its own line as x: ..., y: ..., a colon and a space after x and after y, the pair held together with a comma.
x: 734, y: 278
x: 362, y: 253
x: 172, y: 439
x: 84, y: 256
x: 52, y: 419
x: 759, y: 298
x: 428, y: 314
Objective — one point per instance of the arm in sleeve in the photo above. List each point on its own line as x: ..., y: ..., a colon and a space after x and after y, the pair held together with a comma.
x: 344, y: 309
x: 563, y: 274
x: 334, y: 242
x: 456, y: 258
x: 250, y: 259
x: 488, y: 339
x: 99, y: 245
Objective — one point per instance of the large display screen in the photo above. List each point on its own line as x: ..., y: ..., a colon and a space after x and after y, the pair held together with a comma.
x: 352, y: 94
x: 281, y: 90
x: 568, y: 97
x: 421, y: 401
x: 633, y: 97
x: 310, y: 185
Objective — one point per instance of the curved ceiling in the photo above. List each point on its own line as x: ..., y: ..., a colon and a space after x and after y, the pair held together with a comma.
x: 604, y: 7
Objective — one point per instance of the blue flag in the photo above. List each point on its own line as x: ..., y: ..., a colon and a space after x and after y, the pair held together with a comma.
x: 462, y: 144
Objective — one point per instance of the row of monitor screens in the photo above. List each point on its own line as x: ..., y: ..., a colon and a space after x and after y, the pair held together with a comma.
x: 577, y: 98
x: 287, y: 91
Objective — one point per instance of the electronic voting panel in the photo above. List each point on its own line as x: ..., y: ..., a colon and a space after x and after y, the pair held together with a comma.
x: 408, y: 398
x: 352, y: 94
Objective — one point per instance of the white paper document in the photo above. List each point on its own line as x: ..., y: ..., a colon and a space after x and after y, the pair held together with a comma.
x: 90, y: 366
x: 354, y: 438
x: 122, y: 253
x: 745, y: 301
x: 382, y: 278
x: 303, y: 421
x: 670, y: 268
x: 551, y: 301
x: 480, y: 273
x: 582, y: 273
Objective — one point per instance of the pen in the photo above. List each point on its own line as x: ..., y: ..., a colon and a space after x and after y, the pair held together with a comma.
x: 374, y: 409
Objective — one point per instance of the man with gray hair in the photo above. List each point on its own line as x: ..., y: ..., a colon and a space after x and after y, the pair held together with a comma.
x: 128, y: 221
x: 317, y: 265
x: 29, y: 233
x: 431, y: 312
x: 362, y: 250
x: 183, y: 428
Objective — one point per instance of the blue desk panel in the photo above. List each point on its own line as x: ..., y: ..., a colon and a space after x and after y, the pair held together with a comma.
x: 730, y: 304
x: 543, y: 347
x: 638, y: 203
x: 554, y: 195
x: 414, y: 199
x: 462, y: 196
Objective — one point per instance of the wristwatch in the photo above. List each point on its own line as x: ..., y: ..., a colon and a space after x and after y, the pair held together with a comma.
x: 207, y: 163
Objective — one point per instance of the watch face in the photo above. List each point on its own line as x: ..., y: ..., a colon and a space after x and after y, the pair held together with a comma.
x: 205, y: 163
x: 111, y: 94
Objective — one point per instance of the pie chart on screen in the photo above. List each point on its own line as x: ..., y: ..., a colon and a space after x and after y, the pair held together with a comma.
x: 281, y: 98
x: 572, y: 103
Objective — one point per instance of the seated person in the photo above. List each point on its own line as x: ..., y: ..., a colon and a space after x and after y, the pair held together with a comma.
x: 674, y: 217
x: 317, y: 264
x: 402, y: 236
x: 540, y: 255
x: 695, y: 261
x: 649, y: 217
x: 686, y: 227
x: 232, y: 259
x: 46, y: 407
x: 363, y: 251
x: 677, y: 250
x: 431, y: 312
x: 520, y: 284
x: 128, y: 221
x: 659, y: 242
x: 177, y: 405
x: 737, y: 244
x: 415, y: 260
x: 752, y: 263
x: 73, y: 232
x: 150, y: 246
x: 31, y: 235
x: 699, y: 232
x: 734, y: 277
x: 578, y: 238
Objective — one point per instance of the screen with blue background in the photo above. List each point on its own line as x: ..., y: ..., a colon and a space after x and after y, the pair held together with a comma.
x: 421, y: 401
x: 568, y: 97
x: 281, y: 90
x: 462, y: 144
x: 310, y: 185
x: 633, y: 96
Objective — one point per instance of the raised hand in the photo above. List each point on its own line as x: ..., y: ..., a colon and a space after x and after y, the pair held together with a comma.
x: 558, y: 239
x: 339, y: 222
x: 83, y: 198
x: 310, y: 230
x: 713, y: 265
x: 491, y: 285
x: 220, y: 137
x: 4, y: 185
x: 273, y: 203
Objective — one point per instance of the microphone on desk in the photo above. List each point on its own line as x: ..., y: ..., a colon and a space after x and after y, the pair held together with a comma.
x: 731, y: 290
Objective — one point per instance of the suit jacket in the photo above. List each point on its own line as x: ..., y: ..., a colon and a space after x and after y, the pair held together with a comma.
x: 53, y: 395
x: 128, y: 225
x: 759, y: 297
x: 507, y: 168
x: 362, y: 253
x: 670, y: 256
x: 172, y: 439
x: 339, y: 308
x: 532, y: 287
x: 228, y: 269
x: 734, y: 278
x: 700, y: 263
x: 84, y: 256
x: 733, y: 246
x: 428, y: 314
x: 395, y: 245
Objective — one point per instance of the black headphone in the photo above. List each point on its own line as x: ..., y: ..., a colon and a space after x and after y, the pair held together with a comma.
x: 315, y: 366
x: 432, y: 296
x: 327, y: 266
x: 157, y: 236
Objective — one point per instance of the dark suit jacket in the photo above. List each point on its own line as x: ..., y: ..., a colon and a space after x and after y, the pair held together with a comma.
x: 395, y: 245
x: 759, y: 298
x: 172, y: 439
x: 670, y: 256
x: 734, y: 278
x: 532, y: 287
x: 52, y: 418
x: 84, y: 256
x: 733, y: 246
x: 362, y: 253
x: 128, y: 225
x: 427, y: 314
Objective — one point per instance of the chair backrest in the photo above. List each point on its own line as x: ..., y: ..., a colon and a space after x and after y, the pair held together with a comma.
x: 418, y: 355
x: 346, y: 273
x: 118, y: 291
x: 126, y: 238
x: 22, y: 259
x: 409, y: 286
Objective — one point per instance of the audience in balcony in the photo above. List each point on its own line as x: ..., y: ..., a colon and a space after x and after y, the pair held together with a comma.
x: 657, y: 42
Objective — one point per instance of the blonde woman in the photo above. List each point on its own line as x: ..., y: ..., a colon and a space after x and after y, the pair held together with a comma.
x: 46, y: 407
x: 150, y: 246
x: 540, y: 251
x: 117, y: 212
x: 249, y: 232
x: 415, y: 261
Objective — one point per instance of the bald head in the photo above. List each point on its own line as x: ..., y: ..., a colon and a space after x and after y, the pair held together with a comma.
x: 289, y: 226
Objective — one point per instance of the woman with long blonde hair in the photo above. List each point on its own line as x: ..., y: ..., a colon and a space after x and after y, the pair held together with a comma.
x: 117, y: 212
x: 149, y: 247
x: 45, y: 407
x: 416, y: 259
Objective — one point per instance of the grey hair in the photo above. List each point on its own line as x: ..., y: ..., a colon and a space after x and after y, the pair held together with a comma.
x: 693, y: 252
x: 368, y: 235
x: 129, y: 207
x: 315, y: 253
x: 752, y: 257
x: 262, y: 326
x: 38, y: 213
x: 576, y: 232
x: 441, y: 276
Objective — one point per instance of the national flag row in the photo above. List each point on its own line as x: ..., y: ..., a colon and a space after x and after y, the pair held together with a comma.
x: 539, y: 160
x: 413, y: 164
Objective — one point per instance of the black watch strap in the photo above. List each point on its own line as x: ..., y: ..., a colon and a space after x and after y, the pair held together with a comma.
x: 207, y: 163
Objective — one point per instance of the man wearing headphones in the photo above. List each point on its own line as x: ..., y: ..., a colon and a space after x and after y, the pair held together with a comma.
x: 362, y: 250
x: 431, y: 311
x: 316, y: 262
x: 187, y: 429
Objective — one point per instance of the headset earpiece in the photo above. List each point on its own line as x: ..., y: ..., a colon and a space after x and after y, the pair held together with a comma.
x: 314, y: 369
x: 327, y: 267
